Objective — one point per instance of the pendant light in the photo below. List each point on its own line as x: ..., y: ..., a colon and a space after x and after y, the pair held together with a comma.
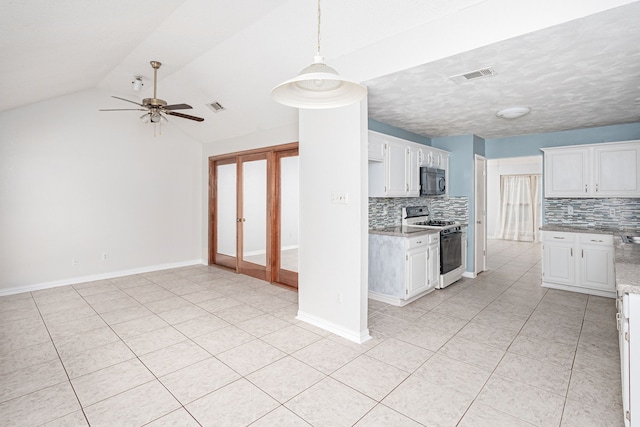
x: 318, y: 86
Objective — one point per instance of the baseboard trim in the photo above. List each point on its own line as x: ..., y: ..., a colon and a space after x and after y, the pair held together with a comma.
x: 469, y: 274
x: 358, y: 337
x: 596, y: 292
x: 101, y: 276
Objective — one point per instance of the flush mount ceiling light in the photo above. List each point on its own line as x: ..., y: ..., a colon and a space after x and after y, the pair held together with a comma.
x: 318, y: 86
x: 513, y: 112
x: 137, y: 83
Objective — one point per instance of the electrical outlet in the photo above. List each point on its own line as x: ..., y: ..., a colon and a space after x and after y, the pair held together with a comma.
x: 570, y: 210
x: 75, y: 262
x: 612, y: 212
x: 339, y: 297
x: 105, y: 256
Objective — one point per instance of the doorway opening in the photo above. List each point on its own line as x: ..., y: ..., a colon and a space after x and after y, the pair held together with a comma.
x: 514, y: 206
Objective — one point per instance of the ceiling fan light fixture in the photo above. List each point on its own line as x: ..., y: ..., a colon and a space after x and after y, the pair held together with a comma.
x: 513, y: 112
x: 318, y: 86
x: 155, y: 116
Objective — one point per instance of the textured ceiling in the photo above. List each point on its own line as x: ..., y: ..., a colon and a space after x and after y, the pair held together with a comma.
x: 579, y: 74
x: 573, y: 74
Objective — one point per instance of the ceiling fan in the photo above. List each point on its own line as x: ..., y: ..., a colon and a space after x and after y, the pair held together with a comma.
x: 156, y: 108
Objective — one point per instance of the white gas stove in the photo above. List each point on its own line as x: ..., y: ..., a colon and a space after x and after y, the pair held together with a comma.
x: 450, y: 241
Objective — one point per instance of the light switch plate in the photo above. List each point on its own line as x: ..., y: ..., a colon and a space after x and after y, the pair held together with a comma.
x: 340, y: 198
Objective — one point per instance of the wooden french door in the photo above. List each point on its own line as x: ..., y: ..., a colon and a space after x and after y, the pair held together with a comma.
x: 246, y: 213
x: 286, y: 203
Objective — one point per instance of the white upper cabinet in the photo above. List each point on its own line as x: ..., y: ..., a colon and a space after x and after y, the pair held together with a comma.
x: 566, y: 173
x: 617, y: 170
x: 596, y: 170
x: 394, y: 165
x: 397, y: 169
x: 376, y: 150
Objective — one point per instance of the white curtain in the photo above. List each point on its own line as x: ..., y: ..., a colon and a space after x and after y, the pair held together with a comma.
x: 520, y: 207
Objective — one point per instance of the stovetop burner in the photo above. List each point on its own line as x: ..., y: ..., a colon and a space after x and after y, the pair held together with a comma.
x: 435, y: 223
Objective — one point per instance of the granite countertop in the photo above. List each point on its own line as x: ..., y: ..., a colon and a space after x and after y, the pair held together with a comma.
x: 591, y: 229
x: 402, y: 231
x: 627, y: 264
x: 627, y: 255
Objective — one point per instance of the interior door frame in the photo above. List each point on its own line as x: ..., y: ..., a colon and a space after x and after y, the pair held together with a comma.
x: 480, y: 216
x: 273, y: 220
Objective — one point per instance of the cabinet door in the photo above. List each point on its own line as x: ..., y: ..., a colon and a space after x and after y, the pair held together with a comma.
x: 376, y: 149
x: 416, y: 277
x: 413, y: 172
x: 616, y: 170
x: 596, y: 267
x: 559, y: 265
x: 396, y: 169
x: 433, y: 268
x: 566, y: 173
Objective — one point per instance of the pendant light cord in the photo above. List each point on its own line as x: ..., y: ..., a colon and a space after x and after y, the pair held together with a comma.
x: 318, y: 52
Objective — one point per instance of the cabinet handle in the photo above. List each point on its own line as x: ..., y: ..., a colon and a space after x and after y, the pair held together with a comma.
x: 571, y: 251
x: 559, y: 238
x: 418, y: 242
x: 597, y: 241
x: 596, y: 188
x: 428, y: 253
x: 585, y: 188
x: 582, y: 255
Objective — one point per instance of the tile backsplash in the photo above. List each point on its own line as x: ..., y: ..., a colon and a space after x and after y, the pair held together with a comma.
x: 386, y: 212
x: 592, y: 212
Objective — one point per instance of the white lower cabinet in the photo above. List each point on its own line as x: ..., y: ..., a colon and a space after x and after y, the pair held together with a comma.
x: 578, y: 262
x: 433, y: 263
x: 402, y: 269
x: 629, y: 337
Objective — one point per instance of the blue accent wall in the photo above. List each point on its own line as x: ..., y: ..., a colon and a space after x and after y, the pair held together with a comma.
x: 530, y: 145
x: 397, y: 132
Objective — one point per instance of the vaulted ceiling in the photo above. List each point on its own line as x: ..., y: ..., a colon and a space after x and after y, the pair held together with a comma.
x: 575, y: 63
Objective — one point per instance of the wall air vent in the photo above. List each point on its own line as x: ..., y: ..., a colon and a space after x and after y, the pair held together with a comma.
x: 475, y: 74
x: 215, y: 106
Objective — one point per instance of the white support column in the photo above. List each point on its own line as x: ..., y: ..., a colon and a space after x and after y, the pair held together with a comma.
x: 332, y: 280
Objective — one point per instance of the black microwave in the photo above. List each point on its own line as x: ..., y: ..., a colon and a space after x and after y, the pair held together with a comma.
x: 433, y: 182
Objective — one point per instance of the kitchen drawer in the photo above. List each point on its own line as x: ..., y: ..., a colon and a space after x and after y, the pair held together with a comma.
x: 417, y: 241
x: 556, y: 236
x: 596, y: 239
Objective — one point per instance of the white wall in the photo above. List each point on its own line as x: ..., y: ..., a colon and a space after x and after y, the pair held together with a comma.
x: 332, y: 278
x: 76, y: 182
x: 507, y: 166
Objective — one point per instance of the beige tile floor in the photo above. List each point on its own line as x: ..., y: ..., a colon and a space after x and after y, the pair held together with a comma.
x: 202, y: 346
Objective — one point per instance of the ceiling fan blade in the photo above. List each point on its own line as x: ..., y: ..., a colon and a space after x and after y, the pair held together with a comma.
x: 123, y: 109
x: 177, y: 107
x: 184, y: 116
x: 122, y: 99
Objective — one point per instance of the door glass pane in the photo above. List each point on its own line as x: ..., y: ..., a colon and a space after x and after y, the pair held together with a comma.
x: 289, y: 213
x: 254, y: 205
x: 226, y: 206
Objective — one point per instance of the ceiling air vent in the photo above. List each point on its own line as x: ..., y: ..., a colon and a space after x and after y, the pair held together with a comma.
x: 216, y: 106
x: 475, y: 74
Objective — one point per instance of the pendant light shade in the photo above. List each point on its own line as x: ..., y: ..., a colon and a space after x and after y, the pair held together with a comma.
x: 318, y: 86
